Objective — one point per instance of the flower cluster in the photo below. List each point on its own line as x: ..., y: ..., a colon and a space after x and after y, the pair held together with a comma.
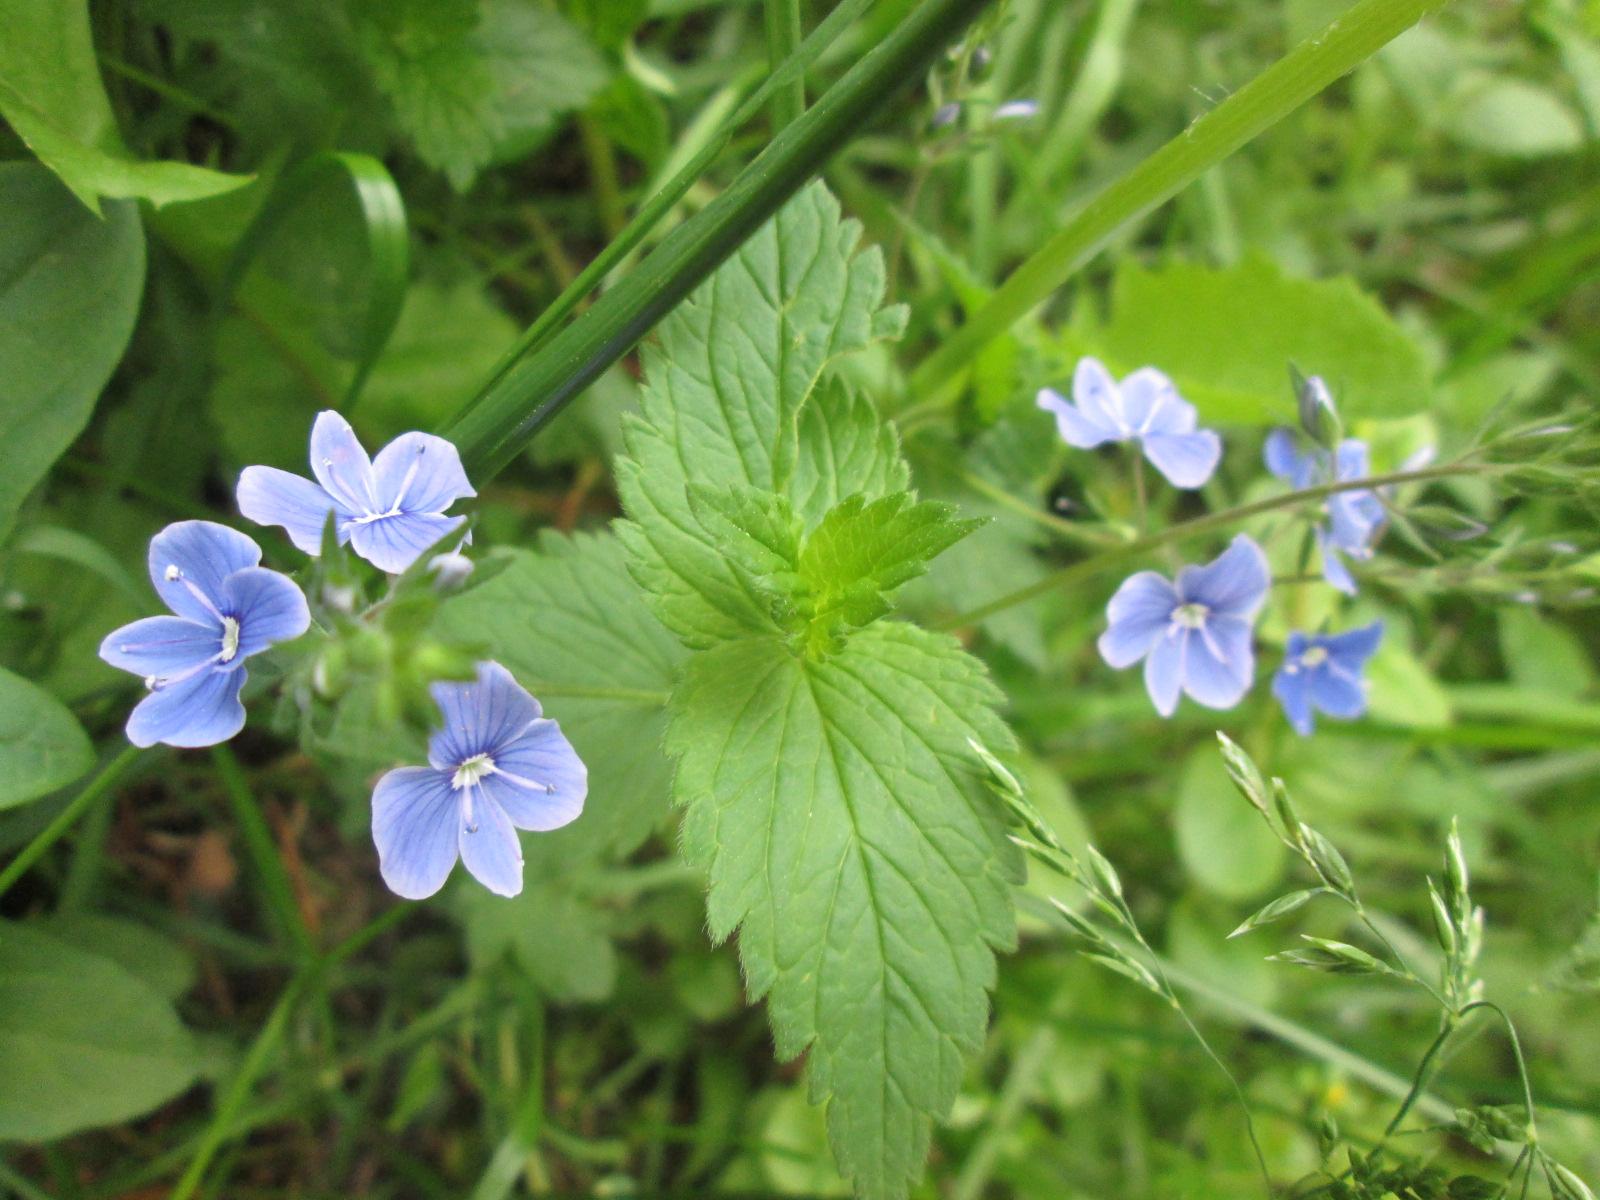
x: 497, y: 764
x: 1195, y: 632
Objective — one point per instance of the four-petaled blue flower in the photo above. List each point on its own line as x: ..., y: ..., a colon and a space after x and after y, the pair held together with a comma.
x: 228, y: 608
x: 389, y: 509
x: 1323, y: 672
x: 497, y: 766
x: 1144, y: 408
x: 1354, y: 518
x: 1193, y: 634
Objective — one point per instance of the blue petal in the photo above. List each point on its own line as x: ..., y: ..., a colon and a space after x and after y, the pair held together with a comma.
x: 481, y: 717
x: 199, y: 711
x: 1290, y: 687
x: 1096, y: 395
x: 393, y: 543
x: 199, y: 555
x: 1333, y: 567
x: 341, y: 465
x: 415, y: 815
x: 1137, y: 615
x: 1336, y: 692
x: 1353, y: 520
x: 490, y: 848
x: 269, y: 496
x: 1163, y: 670
x: 1151, y: 404
x: 1350, y: 460
x: 1186, y: 459
x: 539, y: 779
x: 1076, y: 427
x: 268, y: 606
x: 1282, y: 459
x: 161, y: 645
x: 419, y: 473
x: 1232, y: 584
x: 1354, y: 647
x: 1219, y: 665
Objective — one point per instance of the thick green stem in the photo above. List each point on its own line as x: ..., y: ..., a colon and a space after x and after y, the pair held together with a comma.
x: 1253, y: 109
x: 1089, y: 567
x: 531, y: 392
x: 783, y: 35
x: 96, y: 789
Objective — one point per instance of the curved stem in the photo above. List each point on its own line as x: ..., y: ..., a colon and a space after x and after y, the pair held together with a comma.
x: 1089, y: 567
x: 68, y: 816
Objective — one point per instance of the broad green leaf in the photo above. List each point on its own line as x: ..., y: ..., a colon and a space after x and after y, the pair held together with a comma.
x: 838, y: 810
x: 474, y: 82
x: 1543, y: 655
x: 725, y: 387
x: 1511, y: 117
x: 1225, y: 845
x: 51, y: 94
x: 42, y: 746
x: 1227, y: 337
x: 59, y: 337
x: 573, y: 627
x: 144, y: 953
x: 84, y: 1042
x: 558, y: 939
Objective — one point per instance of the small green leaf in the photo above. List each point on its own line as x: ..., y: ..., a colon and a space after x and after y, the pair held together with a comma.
x: 51, y: 94
x: 84, y: 1042
x: 59, y: 339
x: 1278, y: 909
x: 1511, y: 117
x: 1226, y: 337
x: 41, y: 744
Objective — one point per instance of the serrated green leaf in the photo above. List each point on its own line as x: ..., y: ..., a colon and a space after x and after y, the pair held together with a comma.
x: 59, y: 340
x: 1227, y: 336
x: 574, y: 629
x: 839, y: 811
x: 473, y: 82
x: 726, y: 385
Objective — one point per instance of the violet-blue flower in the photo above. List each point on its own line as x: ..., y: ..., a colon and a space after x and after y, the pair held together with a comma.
x: 497, y: 765
x: 1145, y: 408
x: 1354, y: 518
x: 389, y: 509
x: 227, y: 608
x: 1193, y: 633
x: 1323, y: 672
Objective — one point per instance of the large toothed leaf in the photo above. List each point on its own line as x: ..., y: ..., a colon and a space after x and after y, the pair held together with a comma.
x: 824, y: 760
x: 726, y: 384
x: 837, y: 807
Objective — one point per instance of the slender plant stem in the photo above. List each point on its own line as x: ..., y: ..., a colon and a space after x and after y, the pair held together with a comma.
x: 1424, y: 1073
x: 783, y: 37
x: 1087, y: 568
x: 96, y: 789
x: 264, y: 852
x: 531, y: 392
x: 1253, y: 109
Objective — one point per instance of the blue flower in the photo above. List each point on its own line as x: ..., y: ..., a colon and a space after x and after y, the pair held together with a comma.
x: 1193, y: 634
x: 1323, y: 672
x: 1144, y: 408
x: 228, y: 608
x: 497, y: 766
x: 389, y: 509
x: 1354, y: 518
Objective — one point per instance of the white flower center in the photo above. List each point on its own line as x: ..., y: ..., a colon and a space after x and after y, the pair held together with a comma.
x: 1190, y: 616
x: 1314, y: 657
x: 469, y: 772
x: 230, y: 640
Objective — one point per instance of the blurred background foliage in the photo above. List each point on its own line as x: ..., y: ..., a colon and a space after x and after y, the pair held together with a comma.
x: 1425, y: 235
